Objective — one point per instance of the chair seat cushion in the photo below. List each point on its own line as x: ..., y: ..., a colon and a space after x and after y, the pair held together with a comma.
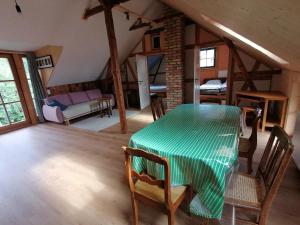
x: 244, y: 192
x: 244, y: 145
x: 157, y: 193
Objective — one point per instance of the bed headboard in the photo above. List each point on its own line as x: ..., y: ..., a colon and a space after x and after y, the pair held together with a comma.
x: 222, y: 79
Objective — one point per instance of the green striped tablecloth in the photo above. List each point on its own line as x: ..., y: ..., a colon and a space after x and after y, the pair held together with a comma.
x: 201, y: 144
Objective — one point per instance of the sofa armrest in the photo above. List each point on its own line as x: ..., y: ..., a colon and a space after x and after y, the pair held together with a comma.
x: 111, y: 96
x: 53, y: 114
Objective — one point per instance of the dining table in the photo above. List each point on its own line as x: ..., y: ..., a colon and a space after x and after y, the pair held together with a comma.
x: 201, y: 144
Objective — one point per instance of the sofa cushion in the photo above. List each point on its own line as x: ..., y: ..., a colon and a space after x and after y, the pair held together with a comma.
x: 94, y: 94
x: 77, y: 110
x: 54, y: 103
x: 63, y: 99
x: 78, y: 97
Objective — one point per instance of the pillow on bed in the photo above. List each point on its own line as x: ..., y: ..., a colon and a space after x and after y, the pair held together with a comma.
x: 214, y: 82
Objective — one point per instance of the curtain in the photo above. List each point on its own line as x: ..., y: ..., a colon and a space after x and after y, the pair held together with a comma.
x: 37, y: 85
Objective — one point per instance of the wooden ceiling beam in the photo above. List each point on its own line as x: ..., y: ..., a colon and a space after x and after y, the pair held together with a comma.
x: 93, y: 11
x: 254, y: 69
x: 262, y: 72
x: 131, y: 70
x: 239, y: 77
x: 248, y: 81
x: 123, y: 9
x: 98, y: 9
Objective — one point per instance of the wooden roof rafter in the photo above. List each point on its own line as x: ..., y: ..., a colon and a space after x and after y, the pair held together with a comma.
x: 99, y: 8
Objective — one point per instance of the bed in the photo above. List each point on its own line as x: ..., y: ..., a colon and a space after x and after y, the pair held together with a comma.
x: 159, y: 89
x: 213, y: 90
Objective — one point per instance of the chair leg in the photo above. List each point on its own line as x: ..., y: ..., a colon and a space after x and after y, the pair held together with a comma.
x: 135, y: 216
x: 171, y: 217
x: 249, y: 165
x: 233, y: 215
x: 189, y: 199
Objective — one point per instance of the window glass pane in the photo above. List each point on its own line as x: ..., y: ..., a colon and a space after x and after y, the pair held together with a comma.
x: 3, y: 118
x: 26, y: 67
x: 9, y: 91
x: 15, y: 112
x: 5, y: 70
x: 211, y: 53
x: 210, y: 62
x: 203, y: 63
x: 202, y: 54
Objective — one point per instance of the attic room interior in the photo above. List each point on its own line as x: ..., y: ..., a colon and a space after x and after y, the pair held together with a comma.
x: 149, y: 112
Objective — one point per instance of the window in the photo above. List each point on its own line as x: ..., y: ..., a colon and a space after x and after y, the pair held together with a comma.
x: 156, y: 41
x: 207, y: 57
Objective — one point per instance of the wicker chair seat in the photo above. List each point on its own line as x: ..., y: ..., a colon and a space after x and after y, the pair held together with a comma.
x: 244, y: 192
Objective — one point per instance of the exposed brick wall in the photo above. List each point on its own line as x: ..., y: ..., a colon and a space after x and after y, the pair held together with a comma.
x: 174, y: 34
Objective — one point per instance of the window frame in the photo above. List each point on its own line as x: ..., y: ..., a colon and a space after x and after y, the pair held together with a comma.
x: 153, y: 36
x: 215, y: 56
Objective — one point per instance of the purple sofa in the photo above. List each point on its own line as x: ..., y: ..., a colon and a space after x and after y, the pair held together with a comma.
x: 79, y: 104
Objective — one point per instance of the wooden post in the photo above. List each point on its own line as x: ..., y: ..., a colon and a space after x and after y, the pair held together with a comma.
x: 115, y: 67
x: 230, y: 78
x: 240, y: 64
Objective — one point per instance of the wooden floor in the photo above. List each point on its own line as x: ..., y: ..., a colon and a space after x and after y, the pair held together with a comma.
x: 57, y: 175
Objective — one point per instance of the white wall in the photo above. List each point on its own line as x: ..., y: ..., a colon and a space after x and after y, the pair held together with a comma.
x: 58, y: 22
x: 289, y: 84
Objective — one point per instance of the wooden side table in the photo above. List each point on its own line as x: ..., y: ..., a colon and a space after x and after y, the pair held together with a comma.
x: 266, y: 97
x: 105, y: 106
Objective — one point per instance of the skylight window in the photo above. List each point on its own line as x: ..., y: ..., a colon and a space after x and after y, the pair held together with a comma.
x: 247, y: 41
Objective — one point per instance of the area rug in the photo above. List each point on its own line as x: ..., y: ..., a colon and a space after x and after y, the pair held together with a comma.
x: 96, y: 123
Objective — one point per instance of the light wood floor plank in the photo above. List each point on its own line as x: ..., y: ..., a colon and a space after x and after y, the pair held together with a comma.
x: 56, y: 175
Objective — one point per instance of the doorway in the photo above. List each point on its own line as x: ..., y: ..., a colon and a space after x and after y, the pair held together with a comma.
x: 13, y: 110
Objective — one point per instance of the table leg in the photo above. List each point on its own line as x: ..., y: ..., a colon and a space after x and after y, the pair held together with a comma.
x: 101, y: 109
x: 233, y: 215
x: 109, y: 109
x: 237, y: 101
x: 264, y: 120
x: 283, y: 112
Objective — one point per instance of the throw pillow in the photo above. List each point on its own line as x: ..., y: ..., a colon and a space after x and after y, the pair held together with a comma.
x: 54, y: 103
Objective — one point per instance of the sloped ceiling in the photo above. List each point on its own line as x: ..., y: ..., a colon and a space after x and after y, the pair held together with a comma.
x: 271, y: 24
x: 58, y: 22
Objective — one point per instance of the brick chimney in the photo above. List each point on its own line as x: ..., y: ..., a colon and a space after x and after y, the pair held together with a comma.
x: 174, y: 35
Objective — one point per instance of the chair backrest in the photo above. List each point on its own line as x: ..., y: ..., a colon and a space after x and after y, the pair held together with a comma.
x: 133, y: 175
x: 253, y: 136
x: 157, y: 106
x: 273, y: 165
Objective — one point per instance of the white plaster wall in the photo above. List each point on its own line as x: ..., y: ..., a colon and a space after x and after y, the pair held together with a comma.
x: 58, y: 22
x: 289, y: 84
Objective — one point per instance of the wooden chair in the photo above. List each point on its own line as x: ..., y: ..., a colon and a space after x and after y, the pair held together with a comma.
x: 146, y: 188
x: 247, y: 146
x: 257, y: 193
x: 157, y: 106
